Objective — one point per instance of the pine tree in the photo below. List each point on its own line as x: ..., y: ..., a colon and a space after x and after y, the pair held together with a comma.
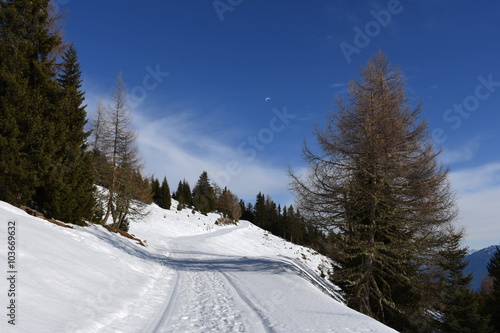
x: 246, y: 211
x: 461, y: 310
x: 155, y: 188
x: 377, y: 186
x: 179, y: 197
x: 492, y: 302
x: 203, y: 194
x: 69, y: 193
x: 272, y: 223
x: 295, y: 230
x: 285, y: 228
x: 184, y: 195
x: 29, y: 97
x: 260, y: 211
x: 164, y: 199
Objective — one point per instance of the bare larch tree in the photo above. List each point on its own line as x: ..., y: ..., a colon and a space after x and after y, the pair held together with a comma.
x: 375, y: 186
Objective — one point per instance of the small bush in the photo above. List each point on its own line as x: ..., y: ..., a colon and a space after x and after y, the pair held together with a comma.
x: 225, y: 221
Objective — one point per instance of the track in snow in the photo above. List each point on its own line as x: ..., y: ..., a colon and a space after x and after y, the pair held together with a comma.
x: 203, y: 298
x: 161, y: 318
x: 215, y: 292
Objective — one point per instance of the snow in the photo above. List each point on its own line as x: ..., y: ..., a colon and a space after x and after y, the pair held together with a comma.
x: 193, y: 276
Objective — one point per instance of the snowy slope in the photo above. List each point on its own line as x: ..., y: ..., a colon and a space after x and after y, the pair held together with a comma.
x: 478, y: 261
x: 194, y: 276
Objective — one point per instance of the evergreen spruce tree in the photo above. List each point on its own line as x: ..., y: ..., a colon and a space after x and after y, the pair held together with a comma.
x: 155, y: 189
x: 69, y: 193
x: 179, y: 197
x: 377, y: 186
x: 295, y: 226
x: 29, y: 97
x: 284, y: 219
x: 246, y: 211
x: 187, y: 193
x: 164, y: 199
x: 184, y: 195
x: 461, y: 307
x: 260, y: 211
x: 272, y: 224
x: 492, y: 302
x: 203, y: 194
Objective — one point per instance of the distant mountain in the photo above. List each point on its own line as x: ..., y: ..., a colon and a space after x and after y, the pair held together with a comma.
x: 478, y: 260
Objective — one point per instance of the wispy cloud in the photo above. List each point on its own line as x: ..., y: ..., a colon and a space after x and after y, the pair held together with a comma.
x: 337, y: 85
x: 183, y: 142
x: 476, y: 179
x: 176, y: 146
x: 480, y: 214
x: 463, y: 153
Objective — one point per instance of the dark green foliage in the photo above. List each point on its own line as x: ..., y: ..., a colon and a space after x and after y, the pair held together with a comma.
x: 460, y: 306
x: 155, y: 188
x: 42, y: 139
x: 162, y: 196
x: 294, y: 226
x: 246, y: 211
x: 73, y: 109
x: 69, y: 193
x: 204, y: 195
x: 260, y: 212
x: 492, y: 290
x: 287, y: 223
x: 29, y: 97
x: 183, y: 195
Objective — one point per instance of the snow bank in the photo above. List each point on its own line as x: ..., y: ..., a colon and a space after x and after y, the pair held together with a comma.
x: 194, y: 276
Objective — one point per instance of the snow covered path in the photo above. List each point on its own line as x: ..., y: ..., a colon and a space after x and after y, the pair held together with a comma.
x: 218, y: 292
x: 201, y: 299
x: 205, y: 297
x: 194, y: 276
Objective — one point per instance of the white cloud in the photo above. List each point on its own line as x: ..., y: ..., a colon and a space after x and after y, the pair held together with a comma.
x: 181, y: 144
x: 479, y: 203
x: 480, y: 214
x: 476, y: 179
x: 462, y: 153
x: 176, y: 146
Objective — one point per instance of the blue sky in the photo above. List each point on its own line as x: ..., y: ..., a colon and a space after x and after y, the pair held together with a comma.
x: 233, y: 87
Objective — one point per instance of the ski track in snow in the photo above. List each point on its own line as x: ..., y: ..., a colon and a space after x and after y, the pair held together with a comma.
x: 210, y: 302
x: 162, y: 317
x: 206, y: 306
x: 267, y: 326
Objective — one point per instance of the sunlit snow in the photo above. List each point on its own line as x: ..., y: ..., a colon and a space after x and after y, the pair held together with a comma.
x: 193, y: 276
